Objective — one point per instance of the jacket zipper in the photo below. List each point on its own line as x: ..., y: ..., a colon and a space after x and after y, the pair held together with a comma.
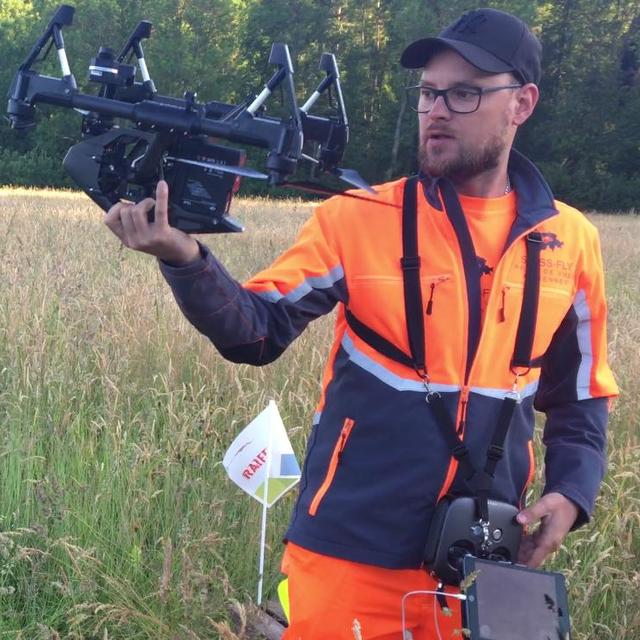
x: 464, y: 393
x: 333, y: 465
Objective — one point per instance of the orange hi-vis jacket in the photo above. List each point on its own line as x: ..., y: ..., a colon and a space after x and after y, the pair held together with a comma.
x: 376, y: 461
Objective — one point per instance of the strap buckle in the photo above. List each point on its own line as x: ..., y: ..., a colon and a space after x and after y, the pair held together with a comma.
x: 460, y: 451
x: 410, y: 263
x: 495, y: 452
x: 535, y: 236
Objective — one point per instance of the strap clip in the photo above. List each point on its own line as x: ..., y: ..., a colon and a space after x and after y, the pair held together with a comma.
x: 495, y: 452
x: 460, y: 451
x: 410, y: 263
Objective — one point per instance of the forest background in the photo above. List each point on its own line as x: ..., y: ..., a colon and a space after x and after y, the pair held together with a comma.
x: 585, y: 134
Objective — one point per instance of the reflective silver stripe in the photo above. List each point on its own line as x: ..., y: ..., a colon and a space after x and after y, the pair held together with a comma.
x: 583, y: 379
x: 310, y: 284
x: 490, y: 392
x: 386, y: 376
x: 405, y: 384
x: 316, y: 418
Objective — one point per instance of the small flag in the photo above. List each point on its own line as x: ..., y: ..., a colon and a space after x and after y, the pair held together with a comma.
x: 249, y: 457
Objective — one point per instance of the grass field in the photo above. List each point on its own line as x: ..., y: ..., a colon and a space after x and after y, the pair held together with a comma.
x: 117, y: 519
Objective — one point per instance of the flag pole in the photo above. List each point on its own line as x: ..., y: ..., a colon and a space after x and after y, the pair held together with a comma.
x: 265, y: 501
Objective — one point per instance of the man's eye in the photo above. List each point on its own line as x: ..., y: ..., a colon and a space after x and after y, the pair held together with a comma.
x: 426, y: 93
x: 463, y: 94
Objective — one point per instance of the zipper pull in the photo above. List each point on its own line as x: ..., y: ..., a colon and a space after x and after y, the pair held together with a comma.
x: 501, y: 312
x: 344, y: 434
x: 464, y: 399
x: 430, y: 302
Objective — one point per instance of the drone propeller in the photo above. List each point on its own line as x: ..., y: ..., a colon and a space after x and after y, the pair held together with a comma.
x: 353, y: 177
x: 348, y: 175
x: 312, y: 187
x: 239, y: 171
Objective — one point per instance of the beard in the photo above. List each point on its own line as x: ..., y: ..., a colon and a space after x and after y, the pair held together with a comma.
x: 467, y: 163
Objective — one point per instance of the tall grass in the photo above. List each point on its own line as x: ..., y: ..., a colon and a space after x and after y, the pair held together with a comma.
x: 116, y: 517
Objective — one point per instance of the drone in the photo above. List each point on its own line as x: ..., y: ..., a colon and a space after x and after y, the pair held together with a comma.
x: 171, y: 138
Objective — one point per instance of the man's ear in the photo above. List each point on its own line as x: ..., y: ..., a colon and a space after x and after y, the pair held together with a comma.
x: 527, y: 98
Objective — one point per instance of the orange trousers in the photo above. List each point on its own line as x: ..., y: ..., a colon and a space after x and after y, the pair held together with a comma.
x: 333, y: 599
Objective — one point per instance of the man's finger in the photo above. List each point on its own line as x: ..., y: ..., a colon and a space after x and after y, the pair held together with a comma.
x: 140, y: 218
x: 162, y: 204
x: 535, y: 512
x: 537, y: 557
x: 129, y: 229
x: 112, y: 216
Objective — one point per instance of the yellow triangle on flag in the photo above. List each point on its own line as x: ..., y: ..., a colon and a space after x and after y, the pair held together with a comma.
x: 283, y: 596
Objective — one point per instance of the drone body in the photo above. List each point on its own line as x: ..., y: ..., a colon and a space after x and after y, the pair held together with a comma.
x: 170, y: 138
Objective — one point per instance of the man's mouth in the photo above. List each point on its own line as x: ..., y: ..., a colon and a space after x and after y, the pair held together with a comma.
x: 439, y: 135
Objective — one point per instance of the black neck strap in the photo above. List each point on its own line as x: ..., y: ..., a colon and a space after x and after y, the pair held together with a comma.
x: 410, y: 263
x: 529, y: 311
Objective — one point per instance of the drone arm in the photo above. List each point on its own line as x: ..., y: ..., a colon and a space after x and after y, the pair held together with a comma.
x: 281, y: 57
x: 141, y: 32
x: 30, y: 88
x: 62, y: 17
x: 329, y: 65
x: 331, y: 133
x: 328, y: 62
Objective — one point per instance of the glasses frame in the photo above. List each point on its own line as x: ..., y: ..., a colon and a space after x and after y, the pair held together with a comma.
x: 479, y: 91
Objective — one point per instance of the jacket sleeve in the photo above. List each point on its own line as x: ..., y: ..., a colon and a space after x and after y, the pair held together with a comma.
x: 575, y: 386
x: 255, y: 322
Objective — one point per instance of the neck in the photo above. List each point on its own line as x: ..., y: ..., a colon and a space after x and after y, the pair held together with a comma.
x: 492, y: 183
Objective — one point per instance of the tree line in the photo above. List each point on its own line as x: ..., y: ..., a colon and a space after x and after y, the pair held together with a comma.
x: 584, y: 135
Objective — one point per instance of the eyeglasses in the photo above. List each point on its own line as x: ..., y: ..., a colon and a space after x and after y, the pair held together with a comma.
x: 458, y: 99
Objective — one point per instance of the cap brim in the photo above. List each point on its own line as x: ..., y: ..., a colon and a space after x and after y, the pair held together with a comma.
x: 418, y: 53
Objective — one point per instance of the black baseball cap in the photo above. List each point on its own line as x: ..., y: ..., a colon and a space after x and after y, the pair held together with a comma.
x: 491, y: 40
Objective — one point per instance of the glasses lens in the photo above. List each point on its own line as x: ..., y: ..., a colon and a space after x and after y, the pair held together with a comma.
x: 462, y: 100
x: 458, y: 99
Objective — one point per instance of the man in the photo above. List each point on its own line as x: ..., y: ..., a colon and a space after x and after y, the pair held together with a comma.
x: 378, y: 459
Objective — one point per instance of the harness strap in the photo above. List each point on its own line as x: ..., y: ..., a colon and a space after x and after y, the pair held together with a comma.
x: 374, y: 339
x: 481, y: 481
x: 410, y: 263
x: 457, y: 447
x: 529, y: 310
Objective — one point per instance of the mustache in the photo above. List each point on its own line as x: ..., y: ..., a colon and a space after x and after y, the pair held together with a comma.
x: 437, y: 130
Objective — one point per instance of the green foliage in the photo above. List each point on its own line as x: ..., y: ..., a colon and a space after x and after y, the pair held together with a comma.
x: 585, y: 130
x: 34, y: 168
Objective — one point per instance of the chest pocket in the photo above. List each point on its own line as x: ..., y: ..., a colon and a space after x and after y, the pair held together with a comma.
x: 378, y: 301
x: 553, y: 305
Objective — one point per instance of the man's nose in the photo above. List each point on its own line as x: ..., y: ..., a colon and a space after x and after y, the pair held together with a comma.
x: 439, y: 109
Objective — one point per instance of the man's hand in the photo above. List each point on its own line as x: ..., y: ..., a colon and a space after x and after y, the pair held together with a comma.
x: 557, y: 515
x: 130, y: 223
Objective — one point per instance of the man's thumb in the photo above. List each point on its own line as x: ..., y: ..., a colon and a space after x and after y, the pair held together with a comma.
x: 535, y: 512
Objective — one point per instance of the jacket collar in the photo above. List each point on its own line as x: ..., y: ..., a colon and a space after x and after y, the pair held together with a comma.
x: 534, y: 198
